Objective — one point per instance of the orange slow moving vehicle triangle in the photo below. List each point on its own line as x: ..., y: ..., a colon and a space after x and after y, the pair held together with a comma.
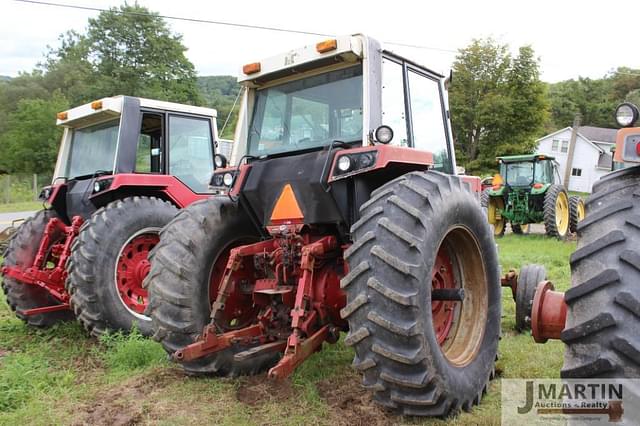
x: 287, y: 207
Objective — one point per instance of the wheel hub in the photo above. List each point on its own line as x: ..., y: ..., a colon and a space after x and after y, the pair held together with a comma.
x: 442, y: 312
x: 132, y: 268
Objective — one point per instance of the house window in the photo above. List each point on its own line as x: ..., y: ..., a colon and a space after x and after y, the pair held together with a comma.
x: 555, y: 145
x: 576, y: 172
x: 565, y: 146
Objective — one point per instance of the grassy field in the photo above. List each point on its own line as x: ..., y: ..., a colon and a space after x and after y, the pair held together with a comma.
x: 61, y: 376
x: 21, y: 207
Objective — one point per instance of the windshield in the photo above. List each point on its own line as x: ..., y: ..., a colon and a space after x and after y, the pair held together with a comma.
x: 518, y: 174
x: 92, y: 149
x: 308, y: 113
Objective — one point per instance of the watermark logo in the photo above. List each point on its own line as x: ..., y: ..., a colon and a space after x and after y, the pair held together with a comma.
x: 570, y: 401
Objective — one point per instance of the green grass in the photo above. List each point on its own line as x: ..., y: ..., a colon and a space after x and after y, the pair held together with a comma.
x: 61, y: 376
x: 21, y: 207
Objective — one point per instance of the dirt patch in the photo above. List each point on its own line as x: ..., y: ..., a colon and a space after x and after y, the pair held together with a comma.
x: 351, y: 404
x: 124, y: 404
x: 257, y: 390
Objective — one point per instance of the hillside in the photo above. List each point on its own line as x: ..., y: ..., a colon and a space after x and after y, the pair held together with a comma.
x: 219, y: 92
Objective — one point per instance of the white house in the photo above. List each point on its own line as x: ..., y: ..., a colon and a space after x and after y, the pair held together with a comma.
x: 592, y: 155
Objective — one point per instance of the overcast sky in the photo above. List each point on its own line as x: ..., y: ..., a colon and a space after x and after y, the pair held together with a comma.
x: 572, y: 38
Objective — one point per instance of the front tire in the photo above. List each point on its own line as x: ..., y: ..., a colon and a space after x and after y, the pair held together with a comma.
x: 556, y: 212
x: 109, y: 261
x: 603, y: 318
x: 21, y: 252
x: 576, y: 212
x: 419, y: 232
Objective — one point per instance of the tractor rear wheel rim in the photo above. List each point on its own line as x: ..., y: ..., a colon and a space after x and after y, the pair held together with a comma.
x: 460, y: 329
x: 236, y: 314
x: 132, y: 267
x: 562, y: 213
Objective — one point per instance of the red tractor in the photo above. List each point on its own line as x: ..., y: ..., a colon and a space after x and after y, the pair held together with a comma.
x: 125, y: 167
x: 344, y: 214
x: 598, y: 318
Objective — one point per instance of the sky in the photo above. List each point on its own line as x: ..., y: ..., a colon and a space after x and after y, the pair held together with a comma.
x: 572, y: 38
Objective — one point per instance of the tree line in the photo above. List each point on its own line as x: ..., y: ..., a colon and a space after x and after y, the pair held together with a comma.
x: 499, y: 105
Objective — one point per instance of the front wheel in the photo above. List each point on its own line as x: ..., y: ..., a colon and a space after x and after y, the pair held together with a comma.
x: 423, y: 296
x: 109, y: 262
x: 556, y: 212
x: 576, y: 212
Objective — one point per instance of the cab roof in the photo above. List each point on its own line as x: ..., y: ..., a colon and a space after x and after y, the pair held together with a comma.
x: 522, y: 158
x: 111, y: 107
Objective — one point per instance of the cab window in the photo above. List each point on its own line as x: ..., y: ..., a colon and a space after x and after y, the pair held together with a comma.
x: 427, y: 119
x: 149, y: 152
x: 190, y: 151
x: 393, y: 106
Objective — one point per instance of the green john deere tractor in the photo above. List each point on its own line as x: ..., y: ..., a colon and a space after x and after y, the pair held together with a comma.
x: 527, y: 191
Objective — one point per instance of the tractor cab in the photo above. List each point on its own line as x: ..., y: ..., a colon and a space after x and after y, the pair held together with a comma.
x: 333, y: 121
x: 528, y: 171
x: 135, y: 139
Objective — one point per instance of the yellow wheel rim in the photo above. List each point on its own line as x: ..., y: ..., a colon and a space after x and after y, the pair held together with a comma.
x: 581, y: 213
x: 562, y: 214
x: 525, y: 228
x: 498, y: 227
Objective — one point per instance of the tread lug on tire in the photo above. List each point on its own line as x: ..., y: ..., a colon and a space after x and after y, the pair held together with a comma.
x: 390, y: 313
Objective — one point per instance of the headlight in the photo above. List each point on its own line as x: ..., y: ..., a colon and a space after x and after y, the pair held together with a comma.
x: 96, y: 187
x: 348, y: 164
x: 101, y: 185
x: 220, y: 161
x: 344, y: 163
x: 227, y: 179
x: 383, y: 134
x: 626, y: 114
x: 218, y: 180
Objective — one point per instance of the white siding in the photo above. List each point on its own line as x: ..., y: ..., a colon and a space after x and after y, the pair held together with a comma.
x: 585, y: 158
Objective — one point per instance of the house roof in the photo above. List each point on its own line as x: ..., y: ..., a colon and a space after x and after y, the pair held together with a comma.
x: 591, y: 135
x: 598, y: 134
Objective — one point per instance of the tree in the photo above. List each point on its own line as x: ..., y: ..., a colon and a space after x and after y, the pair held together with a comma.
x: 31, y: 143
x: 126, y: 50
x: 498, y: 103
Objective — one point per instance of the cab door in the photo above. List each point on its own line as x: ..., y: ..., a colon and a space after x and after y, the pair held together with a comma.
x: 190, y: 150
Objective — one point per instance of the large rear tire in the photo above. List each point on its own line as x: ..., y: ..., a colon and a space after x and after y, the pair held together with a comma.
x: 21, y: 252
x: 179, y: 284
x: 423, y: 231
x: 109, y: 261
x: 603, y: 319
x: 556, y: 212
